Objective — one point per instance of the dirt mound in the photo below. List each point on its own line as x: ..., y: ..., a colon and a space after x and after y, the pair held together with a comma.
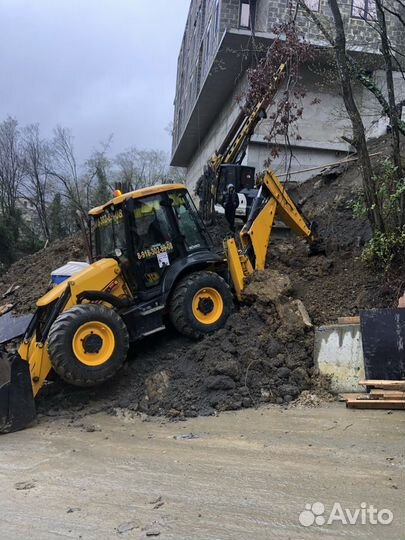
x: 331, y: 286
x: 328, y: 198
x: 264, y: 354
x: 30, y: 276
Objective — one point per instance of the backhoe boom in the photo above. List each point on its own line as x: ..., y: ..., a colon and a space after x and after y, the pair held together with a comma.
x: 272, y: 201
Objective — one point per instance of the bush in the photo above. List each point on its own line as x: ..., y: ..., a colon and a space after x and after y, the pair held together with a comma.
x: 388, y: 245
x: 385, y: 248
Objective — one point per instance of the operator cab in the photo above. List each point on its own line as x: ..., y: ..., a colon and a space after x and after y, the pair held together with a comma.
x: 150, y: 231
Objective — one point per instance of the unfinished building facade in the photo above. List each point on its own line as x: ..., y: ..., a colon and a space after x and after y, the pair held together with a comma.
x: 211, y: 75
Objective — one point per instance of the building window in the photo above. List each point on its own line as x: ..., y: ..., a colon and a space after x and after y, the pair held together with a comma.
x: 244, y: 14
x: 314, y: 4
x: 364, y: 9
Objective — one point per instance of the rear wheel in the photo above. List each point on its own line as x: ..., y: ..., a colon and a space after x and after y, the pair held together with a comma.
x: 88, y: 344
x: 201, y: 304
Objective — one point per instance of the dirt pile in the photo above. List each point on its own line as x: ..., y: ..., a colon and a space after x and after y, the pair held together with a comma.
x: 338, y: 284
x: 331, y: 286
x: 328, y: 198
x: 264, y: 354
x: 30, y: 276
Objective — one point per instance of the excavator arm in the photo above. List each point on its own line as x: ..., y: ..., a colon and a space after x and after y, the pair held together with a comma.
x: 272, y: 201
x: 234, y: 146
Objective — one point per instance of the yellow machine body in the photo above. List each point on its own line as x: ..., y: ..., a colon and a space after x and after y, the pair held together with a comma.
x: 104, y: 275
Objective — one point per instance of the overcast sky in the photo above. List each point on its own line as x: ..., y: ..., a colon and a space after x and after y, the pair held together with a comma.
x: 95, y: 66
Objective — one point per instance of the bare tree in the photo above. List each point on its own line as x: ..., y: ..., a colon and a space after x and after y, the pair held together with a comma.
x: 36, y: 181
x: 393, y: 111
x: 127, y: 168
x: 153, y: 165
x: 396, y: 9
x: 64, y: 168
x: 357, y: 70
x: 140, y: 168
x: 359, y: 137
x: 100, y: 174
x: 11, y: 165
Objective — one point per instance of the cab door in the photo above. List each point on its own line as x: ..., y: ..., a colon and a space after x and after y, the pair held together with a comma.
x: 153, y: 240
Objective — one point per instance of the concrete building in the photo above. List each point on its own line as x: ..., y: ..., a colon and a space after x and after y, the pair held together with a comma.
x: 211, y: 74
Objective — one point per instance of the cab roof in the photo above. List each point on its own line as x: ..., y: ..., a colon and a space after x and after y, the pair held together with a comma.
x: 136, y: 195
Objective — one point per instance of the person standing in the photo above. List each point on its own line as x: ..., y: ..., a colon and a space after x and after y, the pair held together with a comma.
x: 230, y: 204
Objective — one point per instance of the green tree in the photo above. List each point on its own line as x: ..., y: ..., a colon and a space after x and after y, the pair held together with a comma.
x: 8, y: 240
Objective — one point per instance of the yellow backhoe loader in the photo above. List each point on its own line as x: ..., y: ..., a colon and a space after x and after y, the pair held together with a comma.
x: 154, y: 265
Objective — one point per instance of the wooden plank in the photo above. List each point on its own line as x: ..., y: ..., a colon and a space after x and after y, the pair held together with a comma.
x: 349, y: 320
x: 8, y: 291
x: 390, y: 394
x: 375, y: 404
x: 344, y: 396
x: 385, y: 384
x: 5, y: 308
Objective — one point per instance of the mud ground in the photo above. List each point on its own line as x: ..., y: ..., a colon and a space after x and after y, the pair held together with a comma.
x: 242, y: 475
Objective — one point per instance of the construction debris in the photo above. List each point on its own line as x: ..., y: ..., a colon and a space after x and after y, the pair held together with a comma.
x: 6, y: 308
x: 370, y: 403
x: 382, y: 395
x: 384, y: 384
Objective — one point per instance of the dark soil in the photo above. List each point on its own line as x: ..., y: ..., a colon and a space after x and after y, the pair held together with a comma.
x: 264, y: 354
x: 31, y: 275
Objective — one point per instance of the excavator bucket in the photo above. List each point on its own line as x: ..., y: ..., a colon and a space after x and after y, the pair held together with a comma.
x: 13, y: 326
x: 17, y: 407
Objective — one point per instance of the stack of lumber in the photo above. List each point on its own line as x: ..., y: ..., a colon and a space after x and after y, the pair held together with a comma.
x: 383, y: 394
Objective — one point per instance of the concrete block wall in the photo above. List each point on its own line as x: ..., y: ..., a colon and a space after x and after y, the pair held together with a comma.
x: 360, y: 34
x: 338, y: 354
x: 230, y: 14
x: 322, y: 125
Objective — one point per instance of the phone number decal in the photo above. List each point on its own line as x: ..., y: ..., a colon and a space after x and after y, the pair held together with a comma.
x: 155, y: 250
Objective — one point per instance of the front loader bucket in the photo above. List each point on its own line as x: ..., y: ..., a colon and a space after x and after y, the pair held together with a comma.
x: 13, y: 326
x: 17, y: 407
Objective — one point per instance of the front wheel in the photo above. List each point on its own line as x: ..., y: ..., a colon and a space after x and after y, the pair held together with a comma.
x: 87, y: 344
x: 201, y: 304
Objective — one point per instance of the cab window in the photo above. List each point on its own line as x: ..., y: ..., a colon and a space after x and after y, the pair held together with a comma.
x: 189, y: 222
x: 152, y: 226
x: 110, y: 232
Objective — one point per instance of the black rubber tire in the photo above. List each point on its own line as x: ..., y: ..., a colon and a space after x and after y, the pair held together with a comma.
x: 181, y: 312
x: 60, y: 349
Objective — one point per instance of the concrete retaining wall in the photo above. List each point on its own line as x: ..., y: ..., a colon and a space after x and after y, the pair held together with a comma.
x: 338, y: 353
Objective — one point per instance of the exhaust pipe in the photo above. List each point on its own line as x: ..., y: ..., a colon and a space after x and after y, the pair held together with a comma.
x: 17, y: 406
